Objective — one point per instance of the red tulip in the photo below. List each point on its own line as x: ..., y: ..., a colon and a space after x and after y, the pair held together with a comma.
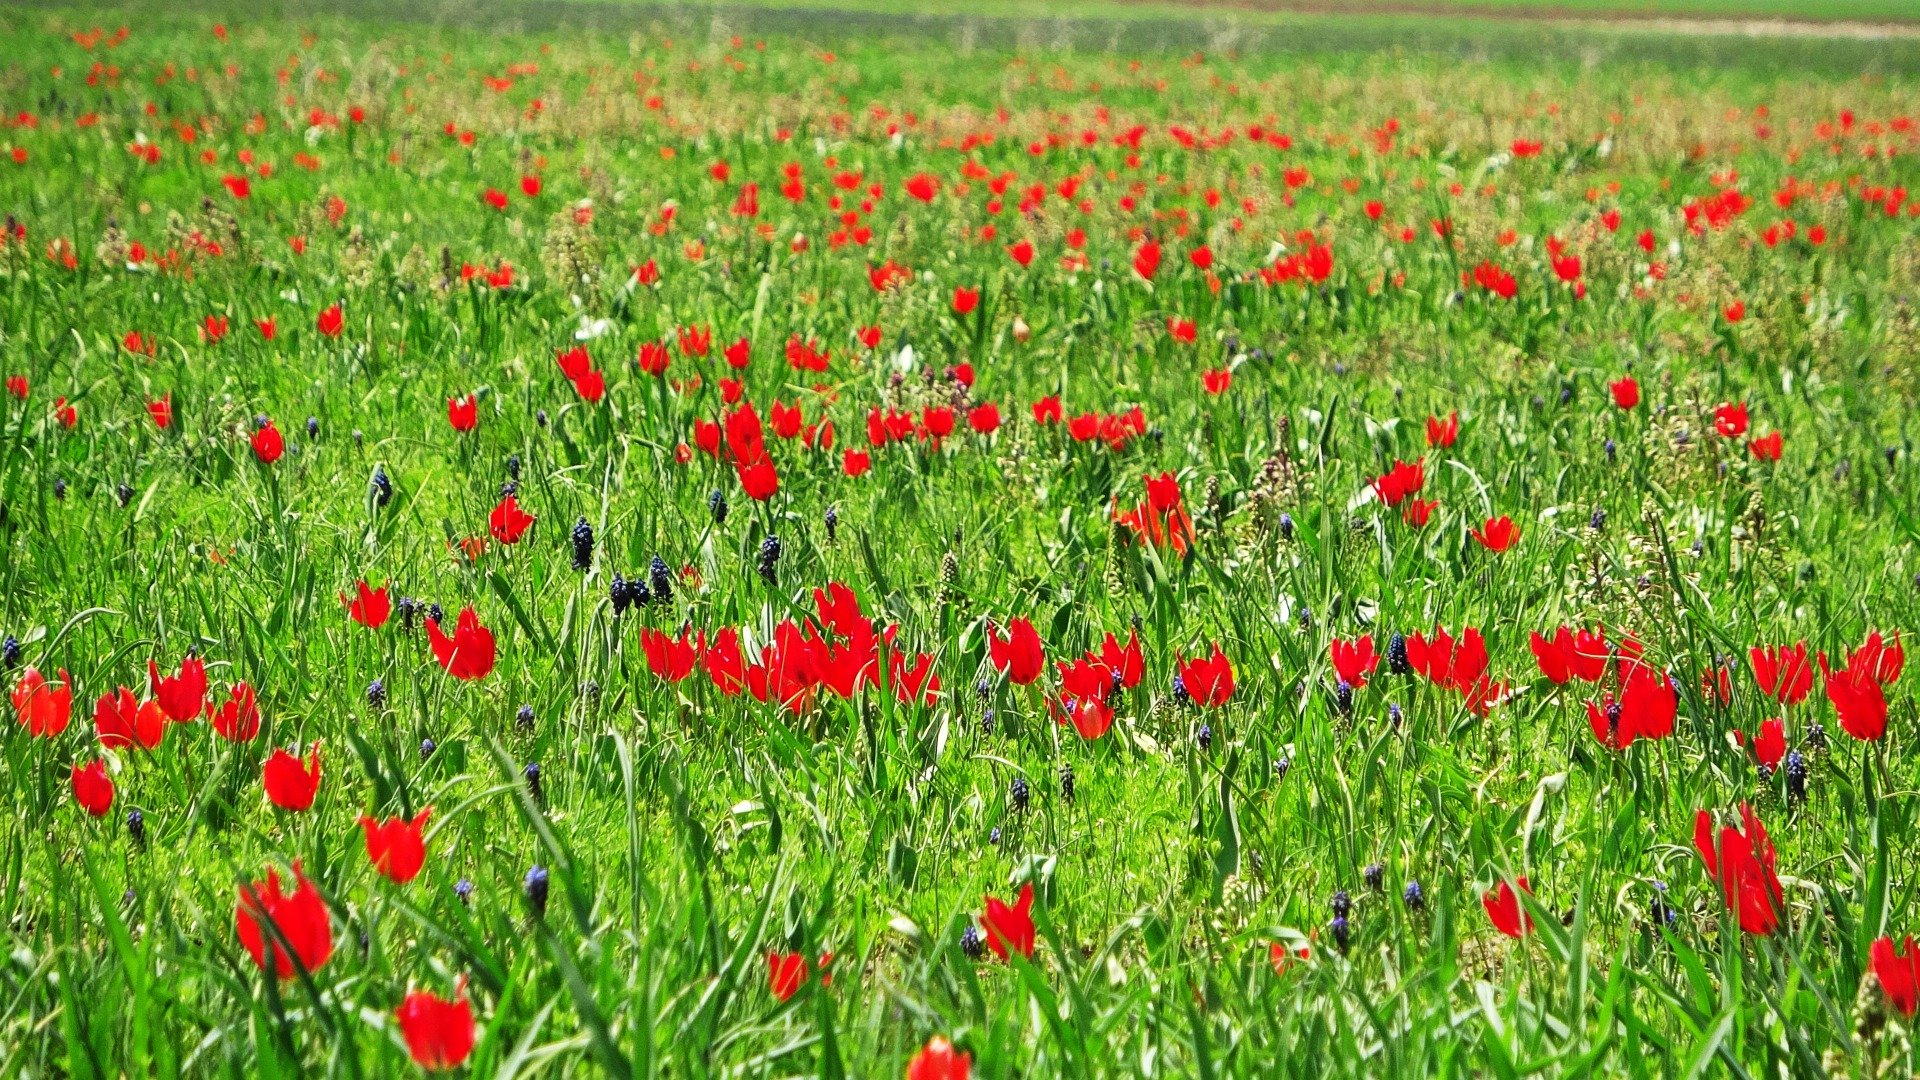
x: 239, y: 719
x: 161, y: 409
x: 1020, y: 654
x: 1497, y: 534
x: 672, y: 659
x: 1022, y: 252
x: 1443, y: 433
x: 759, y: 480
x: 1783, y: 672
x: 1645, y: 708
x: 463, y: 413
x: 181, y: 696
x: 439, y: 1033
x: 508, y: 523
x: 855, y: 462
x: 922, y: 187
x: 1857, y: 700
x: 1766, y: 448
x: 984, y: 418
x: 1010, y: 929
x: 653, y: 358
x: 1090, y: 715
x: 42, y: 706
x: 1400, y: 482
x: 1578, y: 654
x: 267, y: 444
x: 1626, y: 392
x: 1898, y: 971
x: 1209, y: 680
x: 938, y: 1060
x: 300, y: 918
x: 291, y: 784
x: 1770, y: 746
x: 1731, y: 420
x: 120, y: 721
x: 1741, y: 861
x: 330, y: 322
x: 1459, y: 665
x: 1146, y: 260
x: 1883, y: 661
x: 965, y: 299
x: 1503, y: 907
x: 786, y: 974
x: 370, y: 607
x: 1282, y: 958
x: 1354, y: 660
x: 92, y: 788
x: 468, y: 654
x: 395, y: 845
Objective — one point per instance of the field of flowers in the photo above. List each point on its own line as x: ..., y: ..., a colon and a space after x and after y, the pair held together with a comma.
x: 667, y: 551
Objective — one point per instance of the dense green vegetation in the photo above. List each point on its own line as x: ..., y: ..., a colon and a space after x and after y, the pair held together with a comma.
x: 1143, y: 341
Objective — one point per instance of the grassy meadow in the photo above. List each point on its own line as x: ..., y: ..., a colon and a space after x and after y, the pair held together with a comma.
x: 578, y: 539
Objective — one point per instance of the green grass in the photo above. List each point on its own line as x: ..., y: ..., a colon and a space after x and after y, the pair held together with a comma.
x: 687, y: 831
x: 1255, y: 10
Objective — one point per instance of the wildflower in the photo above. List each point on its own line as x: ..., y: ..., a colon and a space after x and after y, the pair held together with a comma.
x: 1443, y: 433
x: 439, y: 1033
x: 268, y: 444
x: 271, y: 922
x: 239, y: 719
x: 463, y: 413
x: 1770, y: 746
x: 1010, y: 929
x: 291, y: 784
x: 45, y: 708
x: 1020, y: 654
x: 1741, y: 861
x: 786, y: 974
x: 1857, y: 699
x: 119, y: 721
x: 1503, y: 908
x: 508, y: 523
x: 395, y: 846
x: 534, y: 885
x: 92, y: 788
x: 938, y: 1060
x: 1401, y: 482
x: 180, y: 696
x: 469, y: 653
x: 369, y: 607
x: 1626, y: 392
x: 1354, y: 660
x: 1209, y: 680
x: 1898, y: 970
x: 1783, y: 671
x: 1497, y: 534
